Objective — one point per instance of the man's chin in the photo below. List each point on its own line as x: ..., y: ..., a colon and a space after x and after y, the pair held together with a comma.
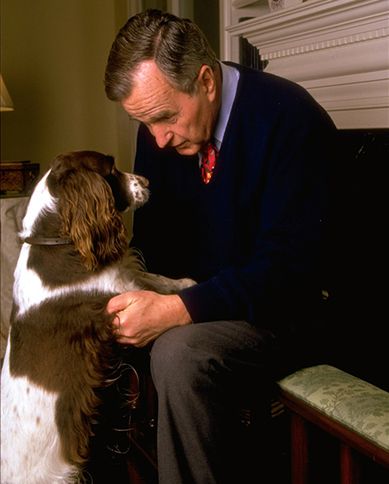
x: 187, y: 150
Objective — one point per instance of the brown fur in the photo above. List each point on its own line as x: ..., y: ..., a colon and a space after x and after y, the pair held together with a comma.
x: 80, y: 356
x: 88, y: 213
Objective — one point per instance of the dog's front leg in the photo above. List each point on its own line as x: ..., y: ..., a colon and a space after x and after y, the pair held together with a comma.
x: 164, y: 285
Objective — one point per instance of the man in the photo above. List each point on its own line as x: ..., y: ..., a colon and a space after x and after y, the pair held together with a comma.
x: 249, y: 229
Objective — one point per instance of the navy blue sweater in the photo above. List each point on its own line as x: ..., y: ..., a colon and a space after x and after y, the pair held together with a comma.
x: 254, y: 237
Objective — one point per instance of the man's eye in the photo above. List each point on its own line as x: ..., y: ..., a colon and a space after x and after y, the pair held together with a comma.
x: 168, y: 120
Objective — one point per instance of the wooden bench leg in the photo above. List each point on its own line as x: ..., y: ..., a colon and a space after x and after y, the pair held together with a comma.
x: 349, y: 468
x: 299, y: 449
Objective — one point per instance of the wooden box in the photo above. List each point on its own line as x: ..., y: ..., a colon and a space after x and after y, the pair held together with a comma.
x: 17, y: 178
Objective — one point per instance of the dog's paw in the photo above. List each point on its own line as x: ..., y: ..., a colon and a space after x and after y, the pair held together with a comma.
x: 186, y: 282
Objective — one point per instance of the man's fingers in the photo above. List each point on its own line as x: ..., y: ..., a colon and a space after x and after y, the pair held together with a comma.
x: 116, y: 323
x: 118, y: 303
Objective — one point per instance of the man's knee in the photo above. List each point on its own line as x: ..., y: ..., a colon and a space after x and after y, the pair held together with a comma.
x: 175, y: 358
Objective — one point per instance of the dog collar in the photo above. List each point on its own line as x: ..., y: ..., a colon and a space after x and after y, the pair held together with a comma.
x: 47, y: 241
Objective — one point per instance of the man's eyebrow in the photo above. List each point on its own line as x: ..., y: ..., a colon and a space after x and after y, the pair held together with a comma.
x: 154, y: 118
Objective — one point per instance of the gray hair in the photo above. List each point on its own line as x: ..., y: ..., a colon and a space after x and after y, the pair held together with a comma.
x: 178, y: 47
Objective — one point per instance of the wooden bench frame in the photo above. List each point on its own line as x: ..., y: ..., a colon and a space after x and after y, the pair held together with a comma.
x: 351, y: 443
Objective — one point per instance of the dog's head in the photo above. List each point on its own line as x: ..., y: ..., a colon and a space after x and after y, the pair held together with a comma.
x: 97, y: 176
x: 89, y: 194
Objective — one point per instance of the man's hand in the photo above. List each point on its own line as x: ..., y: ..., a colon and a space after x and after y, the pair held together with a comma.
x: 141, y: 316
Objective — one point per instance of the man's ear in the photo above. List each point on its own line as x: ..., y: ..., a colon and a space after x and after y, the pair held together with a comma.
x: 207, y: 81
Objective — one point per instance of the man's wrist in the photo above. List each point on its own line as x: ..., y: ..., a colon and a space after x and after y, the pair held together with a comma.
x: 178, y: 308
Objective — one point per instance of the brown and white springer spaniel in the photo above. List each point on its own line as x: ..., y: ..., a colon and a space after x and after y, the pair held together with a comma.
x: 61, y: 347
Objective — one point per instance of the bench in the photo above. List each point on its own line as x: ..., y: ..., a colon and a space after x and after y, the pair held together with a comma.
x: 355, y: 412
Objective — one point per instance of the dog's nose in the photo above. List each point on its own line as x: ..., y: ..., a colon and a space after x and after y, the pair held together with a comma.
x: 143, y: 181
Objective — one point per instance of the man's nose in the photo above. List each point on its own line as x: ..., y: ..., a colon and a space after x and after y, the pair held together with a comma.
x: 162, y: 135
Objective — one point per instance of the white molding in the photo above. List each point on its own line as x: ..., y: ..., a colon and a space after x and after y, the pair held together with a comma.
x: 225, y: 37
x: 337, y: 49
x: 242, y: 3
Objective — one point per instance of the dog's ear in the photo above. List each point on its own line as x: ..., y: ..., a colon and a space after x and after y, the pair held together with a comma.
x: 89, y: 217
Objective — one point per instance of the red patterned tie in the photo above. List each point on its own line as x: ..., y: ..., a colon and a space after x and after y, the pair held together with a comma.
x: 208, y: 162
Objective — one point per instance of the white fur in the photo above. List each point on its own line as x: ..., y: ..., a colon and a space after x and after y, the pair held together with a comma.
x: 19, y: 463
x: 111, y: 279
x: 140, y: 196
x: 40, y: 200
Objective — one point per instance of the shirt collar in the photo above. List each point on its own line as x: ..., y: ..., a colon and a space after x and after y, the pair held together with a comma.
x: 230, y: 79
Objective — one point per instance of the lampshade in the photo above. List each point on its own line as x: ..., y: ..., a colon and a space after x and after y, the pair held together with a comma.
x: 6, y: 103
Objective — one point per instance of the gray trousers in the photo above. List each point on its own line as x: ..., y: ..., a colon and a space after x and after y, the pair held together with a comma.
x: 201, y: 372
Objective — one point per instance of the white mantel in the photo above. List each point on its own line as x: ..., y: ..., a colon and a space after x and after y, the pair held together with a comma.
x: 337, y: 49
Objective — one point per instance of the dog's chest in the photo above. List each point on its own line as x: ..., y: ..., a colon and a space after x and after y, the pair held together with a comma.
x: 30, y: 290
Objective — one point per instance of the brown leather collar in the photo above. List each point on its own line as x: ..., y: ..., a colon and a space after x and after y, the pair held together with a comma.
x: 47, y: 241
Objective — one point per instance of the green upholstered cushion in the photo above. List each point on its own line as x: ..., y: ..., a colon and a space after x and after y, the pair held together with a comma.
x: 358, y: 405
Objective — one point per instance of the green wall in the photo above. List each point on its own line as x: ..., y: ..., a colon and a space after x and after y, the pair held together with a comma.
x: 53, y: 55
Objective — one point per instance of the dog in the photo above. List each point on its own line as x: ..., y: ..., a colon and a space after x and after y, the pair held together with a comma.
x: 62, y: 348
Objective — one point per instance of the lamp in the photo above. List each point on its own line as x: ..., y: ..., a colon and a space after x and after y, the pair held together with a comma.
x: 16, y: 177
x: 6, y: 103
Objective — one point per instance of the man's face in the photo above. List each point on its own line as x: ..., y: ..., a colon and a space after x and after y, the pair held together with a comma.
x: 175, y: 119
